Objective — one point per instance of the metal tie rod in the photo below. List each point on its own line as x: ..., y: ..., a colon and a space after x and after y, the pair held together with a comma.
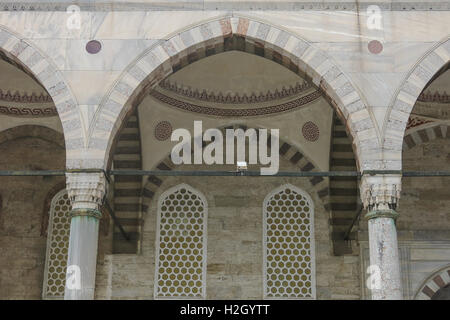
x: 20, y: 173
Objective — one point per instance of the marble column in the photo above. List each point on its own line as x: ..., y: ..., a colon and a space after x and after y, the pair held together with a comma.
x: 86, y: 192
x: 380, y: 195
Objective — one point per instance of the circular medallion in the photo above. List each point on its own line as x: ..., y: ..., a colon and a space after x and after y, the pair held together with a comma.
x: 93, y: 46
x: 310, y: 131
x: 375, y: 46
x: 163, y: 130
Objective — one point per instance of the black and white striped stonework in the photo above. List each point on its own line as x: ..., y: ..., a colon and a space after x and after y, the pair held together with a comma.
x: 343, y: 190
x: 127, y: 189
x: 417, y: 137
x: 286, y: 151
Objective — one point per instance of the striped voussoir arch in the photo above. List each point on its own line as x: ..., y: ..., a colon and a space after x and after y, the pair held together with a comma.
x: 343, y: 190
x: 225, y: 34
x: 127, y: 188
x: 23, y: 54
x: 286, y: 151
x: 432, y: 284
x: 423, y: 135
x: 424, y: 71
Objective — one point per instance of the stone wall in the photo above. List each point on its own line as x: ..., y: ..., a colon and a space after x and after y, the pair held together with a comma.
x: 235, y: 256
x: 22, y: 236
x: 424, y: 203
x: 25, y: 203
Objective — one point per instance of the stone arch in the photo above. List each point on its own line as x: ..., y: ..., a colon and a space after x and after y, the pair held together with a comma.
x: 426, y: 134
x: 200, y: 218
x: 404, y: 100
x: 47, y: 134
x: 219, y: 35
x: 287, y: 152
x: 304, y: 291
x: 35, y: 131
x: 433, y: 283
x: 34, y: 62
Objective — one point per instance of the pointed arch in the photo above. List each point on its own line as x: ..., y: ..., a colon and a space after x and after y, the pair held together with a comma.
x: 426, y: 133
x: 431, y: 285
x: 57, y: 247
x: 181, y: 243
x: 219, y: 35
x: 288, y: 244
x: 287, y: 151
x: 423, y: 72
x: 27, y: 57
x: 35, y: 131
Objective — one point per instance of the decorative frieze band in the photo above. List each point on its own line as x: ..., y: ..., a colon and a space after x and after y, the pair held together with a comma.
x: 236, y: 98
x: 248, y: 112
x: 223, y: 5
x: 25, y: 97
x: 434, y: 97
x: 28, y: 112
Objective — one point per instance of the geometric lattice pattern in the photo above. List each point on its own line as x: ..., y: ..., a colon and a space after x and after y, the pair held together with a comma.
x: 57, y: 247
x: 289, y: 269
x: 181, y: 244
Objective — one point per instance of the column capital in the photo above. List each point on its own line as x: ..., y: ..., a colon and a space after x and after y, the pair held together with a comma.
x: 380, y: 193
x: 86, y: 190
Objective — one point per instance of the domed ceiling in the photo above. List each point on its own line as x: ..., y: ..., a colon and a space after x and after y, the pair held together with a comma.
x: 21, y: 95
x: 441, y: 85
x: 433, y: 104
x: 236, y: 73
x: 235, y: 84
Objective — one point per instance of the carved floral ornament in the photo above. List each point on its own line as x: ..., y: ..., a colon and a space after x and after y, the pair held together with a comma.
x: 163, y: 130
x: 416, y: 121
x: 8, y: 96
x: 380, y: 192
x: 310, y: 131
x: 296, y: 93
x: 204, y: 95
x: 86, y: 190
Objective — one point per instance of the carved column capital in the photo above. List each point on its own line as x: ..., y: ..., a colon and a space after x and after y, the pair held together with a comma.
x: 86, y: 190
x: 380, y: 192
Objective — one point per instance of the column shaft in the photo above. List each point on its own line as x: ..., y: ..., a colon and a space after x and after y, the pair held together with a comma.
x: 82, y: 259
x: 86, y: 192
x: 380, y: 195
x: 384, y: 255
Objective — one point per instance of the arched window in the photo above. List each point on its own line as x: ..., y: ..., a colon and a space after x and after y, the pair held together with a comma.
x: 57, y: 247
x: 288, y: 244
x: 181, y: 244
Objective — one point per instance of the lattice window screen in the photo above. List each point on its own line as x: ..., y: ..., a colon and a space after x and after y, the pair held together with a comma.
x: 288, y: 238
x: 181, y: 244
x: 57, y: 247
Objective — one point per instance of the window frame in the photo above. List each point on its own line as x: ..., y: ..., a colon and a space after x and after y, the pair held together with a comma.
x: 311, y: 240
x: 55, y: 198
x: 162, y: 198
